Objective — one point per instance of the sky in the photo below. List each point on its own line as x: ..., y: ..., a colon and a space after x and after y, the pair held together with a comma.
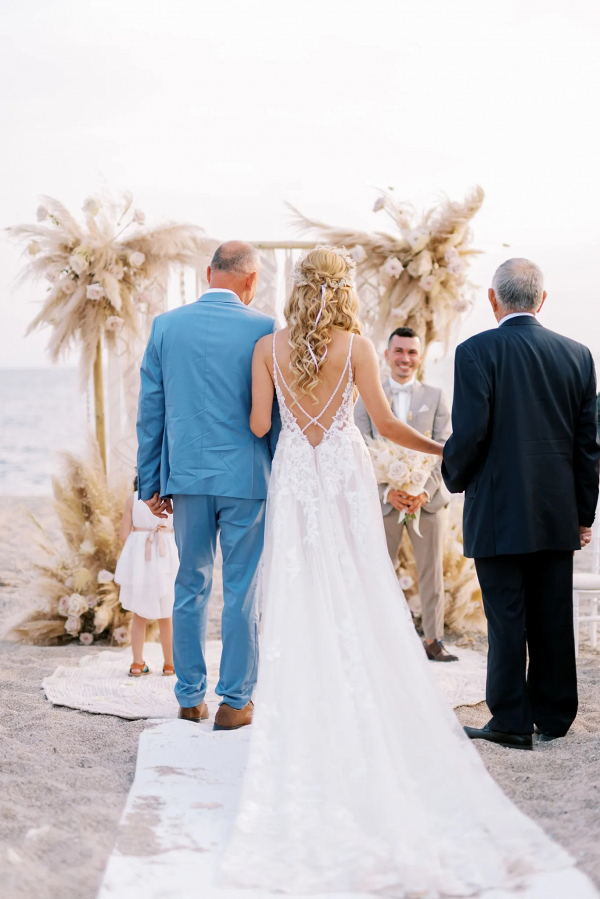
x: 219, y: 112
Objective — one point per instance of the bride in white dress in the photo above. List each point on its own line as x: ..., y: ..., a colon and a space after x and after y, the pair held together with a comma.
x: 359, y: 778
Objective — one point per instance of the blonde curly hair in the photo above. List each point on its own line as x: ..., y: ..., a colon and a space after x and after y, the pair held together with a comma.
x: 323, y: 297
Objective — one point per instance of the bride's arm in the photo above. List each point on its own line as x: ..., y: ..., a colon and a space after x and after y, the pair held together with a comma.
x: 368, y: 381
x: 262, y: 388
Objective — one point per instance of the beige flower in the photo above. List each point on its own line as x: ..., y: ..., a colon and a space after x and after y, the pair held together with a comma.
x: 421, y: 264
x: 392, y: 267
x: 34, y: 248
x: 137, y: 259
x: 121, y: 634
x: 398, y: 471
x: 139, y: 216
x: 358, y: 253
x: 87, y: 547
x: 94, y: 292
x: 86, y: 638
x: 417, y: 239
x: 405, y: 582
x: 63, y: 605
x: 91, y: 600
x: 114, y: 323
x: 78, y: 263
x: 73, y: 625
x: 427, y: 282
x: 77, y: 604
x: 105, y: 577
x: 91, y: 206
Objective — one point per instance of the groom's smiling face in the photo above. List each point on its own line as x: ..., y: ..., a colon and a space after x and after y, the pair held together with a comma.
x: 404, y: 356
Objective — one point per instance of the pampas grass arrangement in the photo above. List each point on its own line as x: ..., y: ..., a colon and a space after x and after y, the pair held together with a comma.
x: 103, y: 274
x: 73, y: 591
x: 415, y: 277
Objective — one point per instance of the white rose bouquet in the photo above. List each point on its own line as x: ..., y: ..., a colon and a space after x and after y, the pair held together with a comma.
x: 401, y: 469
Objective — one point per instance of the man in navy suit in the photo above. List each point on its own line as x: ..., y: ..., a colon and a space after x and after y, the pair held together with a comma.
x: 525, y: 451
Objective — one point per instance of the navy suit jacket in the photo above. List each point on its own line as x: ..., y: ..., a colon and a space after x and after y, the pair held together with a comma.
x: 193, y: 424
x: 524, y: 446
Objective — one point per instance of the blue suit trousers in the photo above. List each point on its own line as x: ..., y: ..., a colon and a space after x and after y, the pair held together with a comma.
x: 197, y: 519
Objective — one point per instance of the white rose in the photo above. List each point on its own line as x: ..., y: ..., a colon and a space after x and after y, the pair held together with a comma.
x: 105, y: 577
x: 420, y: 265
x: 41, y: 213
x: 34, y: 248
x: 114, y: 323
x: 86, y: 639
x: 63, y: 605
x: 121, y: 634
x: 405, y: 582
x: 455, y: 266
x: 379, y: 204
x: 398, y: 471
x: 417, y: 239
x: 358, y: 253
x: 418, y: 478
x: 393, y: 267
x: 73, y: 625
x: 427, y: 282
x: 451, y: 254
x: 139, y: 216
x: 78, y: 263
x: 94, y: 292
x: 77, y: 604
x: 91, y: 206
x: 137, y: 259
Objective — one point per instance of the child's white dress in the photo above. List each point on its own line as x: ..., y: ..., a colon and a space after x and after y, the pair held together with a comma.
x: 148, y: 565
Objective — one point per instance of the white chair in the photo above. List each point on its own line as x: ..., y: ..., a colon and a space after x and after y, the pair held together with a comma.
x: 586, y: 594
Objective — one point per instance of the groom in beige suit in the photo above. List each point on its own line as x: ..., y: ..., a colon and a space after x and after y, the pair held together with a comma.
x: 425, y: 409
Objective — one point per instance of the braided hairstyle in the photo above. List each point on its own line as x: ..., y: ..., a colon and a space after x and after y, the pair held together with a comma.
x: 323, y: 297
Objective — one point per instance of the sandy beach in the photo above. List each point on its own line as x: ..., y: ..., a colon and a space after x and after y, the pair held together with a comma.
x: 65, y: 774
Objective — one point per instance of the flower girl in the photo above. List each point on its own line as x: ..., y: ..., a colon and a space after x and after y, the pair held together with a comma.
x: 146, y: 573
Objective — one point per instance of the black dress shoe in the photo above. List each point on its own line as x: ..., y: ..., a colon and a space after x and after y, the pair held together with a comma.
x: 546, y: 738
x: 511, y: 741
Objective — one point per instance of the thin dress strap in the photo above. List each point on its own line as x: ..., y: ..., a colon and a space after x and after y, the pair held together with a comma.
x: 314, y: 420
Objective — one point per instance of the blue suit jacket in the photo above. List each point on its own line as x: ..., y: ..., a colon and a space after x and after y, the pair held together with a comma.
x: 193, y: 426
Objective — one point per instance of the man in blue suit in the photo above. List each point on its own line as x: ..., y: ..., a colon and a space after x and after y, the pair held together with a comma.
x: 198, y: 458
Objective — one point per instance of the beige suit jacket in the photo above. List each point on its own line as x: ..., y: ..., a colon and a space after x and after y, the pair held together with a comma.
x: 429, y: 412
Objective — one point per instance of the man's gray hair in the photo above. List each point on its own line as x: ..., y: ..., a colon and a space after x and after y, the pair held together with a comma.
x: 518, y: 285
x: 236, y: 257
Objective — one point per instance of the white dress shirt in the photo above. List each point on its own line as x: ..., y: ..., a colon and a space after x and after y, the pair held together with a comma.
x: 401, y: 398
x: 514, y: 315
x: 220, y: 290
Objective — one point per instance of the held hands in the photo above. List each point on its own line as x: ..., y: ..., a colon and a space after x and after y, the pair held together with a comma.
x: 403, y: 502
x: 585, y: 535
x: 160, y: 507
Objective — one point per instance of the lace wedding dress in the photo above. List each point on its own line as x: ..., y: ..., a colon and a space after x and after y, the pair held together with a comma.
x: 359, y: 778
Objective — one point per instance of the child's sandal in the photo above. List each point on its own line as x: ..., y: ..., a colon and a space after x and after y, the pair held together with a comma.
x: 168, y: 670
x: 138, y: 669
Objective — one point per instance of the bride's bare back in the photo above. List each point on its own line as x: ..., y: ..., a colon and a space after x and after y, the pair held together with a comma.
x: 315, y: 418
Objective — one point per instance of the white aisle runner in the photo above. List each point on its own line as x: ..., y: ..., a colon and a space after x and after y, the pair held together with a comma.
x: 181, y: 807
x: 100, y: 682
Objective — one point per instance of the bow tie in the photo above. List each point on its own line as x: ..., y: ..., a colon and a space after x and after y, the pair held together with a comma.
x: 400, y: 388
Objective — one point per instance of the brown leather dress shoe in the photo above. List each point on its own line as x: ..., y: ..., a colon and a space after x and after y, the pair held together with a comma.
x: 228, y: 718
x: 196, y: 713
x: 437, y: 653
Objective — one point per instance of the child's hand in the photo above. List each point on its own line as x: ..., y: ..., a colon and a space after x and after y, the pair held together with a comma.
x: 160, y: 507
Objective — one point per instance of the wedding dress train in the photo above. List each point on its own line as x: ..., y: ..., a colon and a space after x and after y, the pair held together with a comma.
x: 360, y: 778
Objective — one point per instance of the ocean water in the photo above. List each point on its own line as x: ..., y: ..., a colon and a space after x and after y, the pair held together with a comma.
x: 42, y: 411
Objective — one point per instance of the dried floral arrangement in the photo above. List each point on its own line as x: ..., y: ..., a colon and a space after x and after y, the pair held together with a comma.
x: 463, y: 609
x: 415, y: 277
x: 72, y: 592
x: 104, y: 273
